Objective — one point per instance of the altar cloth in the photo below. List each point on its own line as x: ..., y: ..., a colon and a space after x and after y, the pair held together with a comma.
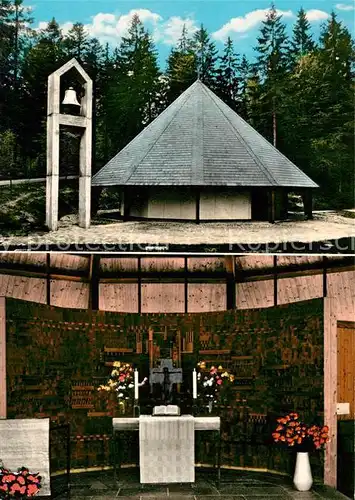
x: 167, y: 449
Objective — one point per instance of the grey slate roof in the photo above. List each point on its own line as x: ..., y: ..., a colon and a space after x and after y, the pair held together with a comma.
x: 199, y: 141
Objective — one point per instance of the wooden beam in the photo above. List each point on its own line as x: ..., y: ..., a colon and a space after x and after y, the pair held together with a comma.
x: 325, y: 287
x: 3, y: 389
x: 139, y: 285
x: 48, y: 279
x: 330, y: 389
x: 94, y: 278
x: 39, y: 180
x: 198, y: 200
x: 186, y: 286
x: 271, y: 207
x: 126, y: 204
x: 275, y: 280
x: 72, y: 121
x: 231, y: 284
x: 308, y: 203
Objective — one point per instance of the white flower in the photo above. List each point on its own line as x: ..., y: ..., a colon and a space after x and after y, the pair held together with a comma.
x: 130, y: 386
x: 205, y: 384
x: 120, y: 395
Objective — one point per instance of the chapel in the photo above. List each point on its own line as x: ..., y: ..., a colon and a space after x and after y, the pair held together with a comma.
x: 200, y: 161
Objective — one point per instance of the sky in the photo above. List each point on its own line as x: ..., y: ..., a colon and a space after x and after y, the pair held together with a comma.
x: 108, y: 19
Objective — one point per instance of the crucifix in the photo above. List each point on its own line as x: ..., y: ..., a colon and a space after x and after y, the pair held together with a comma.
x: 166, y: 376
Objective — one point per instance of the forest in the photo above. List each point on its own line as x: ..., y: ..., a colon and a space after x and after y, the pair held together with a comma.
x: 297, y: 92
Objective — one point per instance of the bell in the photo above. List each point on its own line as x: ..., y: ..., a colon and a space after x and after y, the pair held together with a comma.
x: 70, y: 98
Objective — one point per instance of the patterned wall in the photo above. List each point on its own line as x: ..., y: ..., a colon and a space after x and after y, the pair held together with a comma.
x: 58, y: 357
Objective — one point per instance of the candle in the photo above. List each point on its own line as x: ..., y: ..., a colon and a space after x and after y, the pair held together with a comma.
x: 194, y: 384
x: 136, y: 385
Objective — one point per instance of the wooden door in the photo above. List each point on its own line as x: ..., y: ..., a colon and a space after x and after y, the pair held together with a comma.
x: 346, y: 367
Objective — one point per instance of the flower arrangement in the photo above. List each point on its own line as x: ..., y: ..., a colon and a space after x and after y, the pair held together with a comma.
x: 22, y: 483
x: 121, y: 381
x: 294, y: 433
x: 211, y: 381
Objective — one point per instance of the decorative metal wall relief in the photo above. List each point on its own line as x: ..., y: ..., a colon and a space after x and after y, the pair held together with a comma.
x: 276, y: 356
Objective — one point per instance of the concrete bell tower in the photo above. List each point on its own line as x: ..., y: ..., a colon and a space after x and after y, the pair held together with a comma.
x: 56, y: 119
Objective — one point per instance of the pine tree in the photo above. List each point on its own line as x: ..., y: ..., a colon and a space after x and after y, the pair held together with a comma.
x: 76, y: 43
x: 302, y: 42
x: 5, y: 66
x: 272, y: 65
x: 335, y: 144
x: 134, y: 96
x: 45, y: 56
x: 181, y: 67
x: 244, y: 76
x: 206, y: 56
x: 227, y: 77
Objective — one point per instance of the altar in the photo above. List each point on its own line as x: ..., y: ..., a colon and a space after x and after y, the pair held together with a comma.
x: 167, y: 445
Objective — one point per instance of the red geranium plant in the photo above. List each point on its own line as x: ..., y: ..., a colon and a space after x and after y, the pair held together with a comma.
x: 22, y: 483
x: 294, y: 433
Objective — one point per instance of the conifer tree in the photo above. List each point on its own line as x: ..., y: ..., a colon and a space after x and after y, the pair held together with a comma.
x: 76, y: 43
x: 302, y: 42
x: 134, y: 96
x: 244, y: 76
x: 206, y: 55
x: 227, y: 77
x: 44, y: 57
x: 181, y: 67
x: 272, y: 65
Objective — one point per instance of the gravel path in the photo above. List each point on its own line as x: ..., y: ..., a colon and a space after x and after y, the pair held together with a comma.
x: 323, y: 227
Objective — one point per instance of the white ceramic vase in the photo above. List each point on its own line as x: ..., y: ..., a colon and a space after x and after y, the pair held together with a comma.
x: 303, y: 475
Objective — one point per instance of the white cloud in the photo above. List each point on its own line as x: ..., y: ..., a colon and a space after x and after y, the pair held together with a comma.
x: 246, y: 23
x: 111, y: 28
x: 316, y: 15
x: 42, y: 25
x: 170, y: 32
x: 345, y: 6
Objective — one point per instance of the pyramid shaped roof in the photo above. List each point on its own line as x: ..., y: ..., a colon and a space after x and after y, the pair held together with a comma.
x: 200, y: 141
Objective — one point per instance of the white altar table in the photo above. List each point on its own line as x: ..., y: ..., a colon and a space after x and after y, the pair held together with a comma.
x: 167, y: 445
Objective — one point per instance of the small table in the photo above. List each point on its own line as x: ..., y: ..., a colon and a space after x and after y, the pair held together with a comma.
x: 120, y: 425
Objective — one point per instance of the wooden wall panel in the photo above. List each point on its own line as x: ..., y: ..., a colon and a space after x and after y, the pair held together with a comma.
x: 204, y: 297
x: 339, y: 305
x: 70, y: 262
x: 257, y: 294
x: 3, y: 389
x: 71, y: 294
x: 163, y: 297
x: 253, y: 262
x: 29, y: 258
x: 18, y: 287
x: 297, y: 260
x: 299, y: 288
x: 206, y: 264
x: 163, y: 264
x: 330, y: 390
x: 119, y: 265
x: 341, y: 288
x: 119, y: 297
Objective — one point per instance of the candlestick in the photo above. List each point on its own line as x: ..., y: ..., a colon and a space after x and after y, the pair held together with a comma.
x: 136, y: 396
x: 194, y: 384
